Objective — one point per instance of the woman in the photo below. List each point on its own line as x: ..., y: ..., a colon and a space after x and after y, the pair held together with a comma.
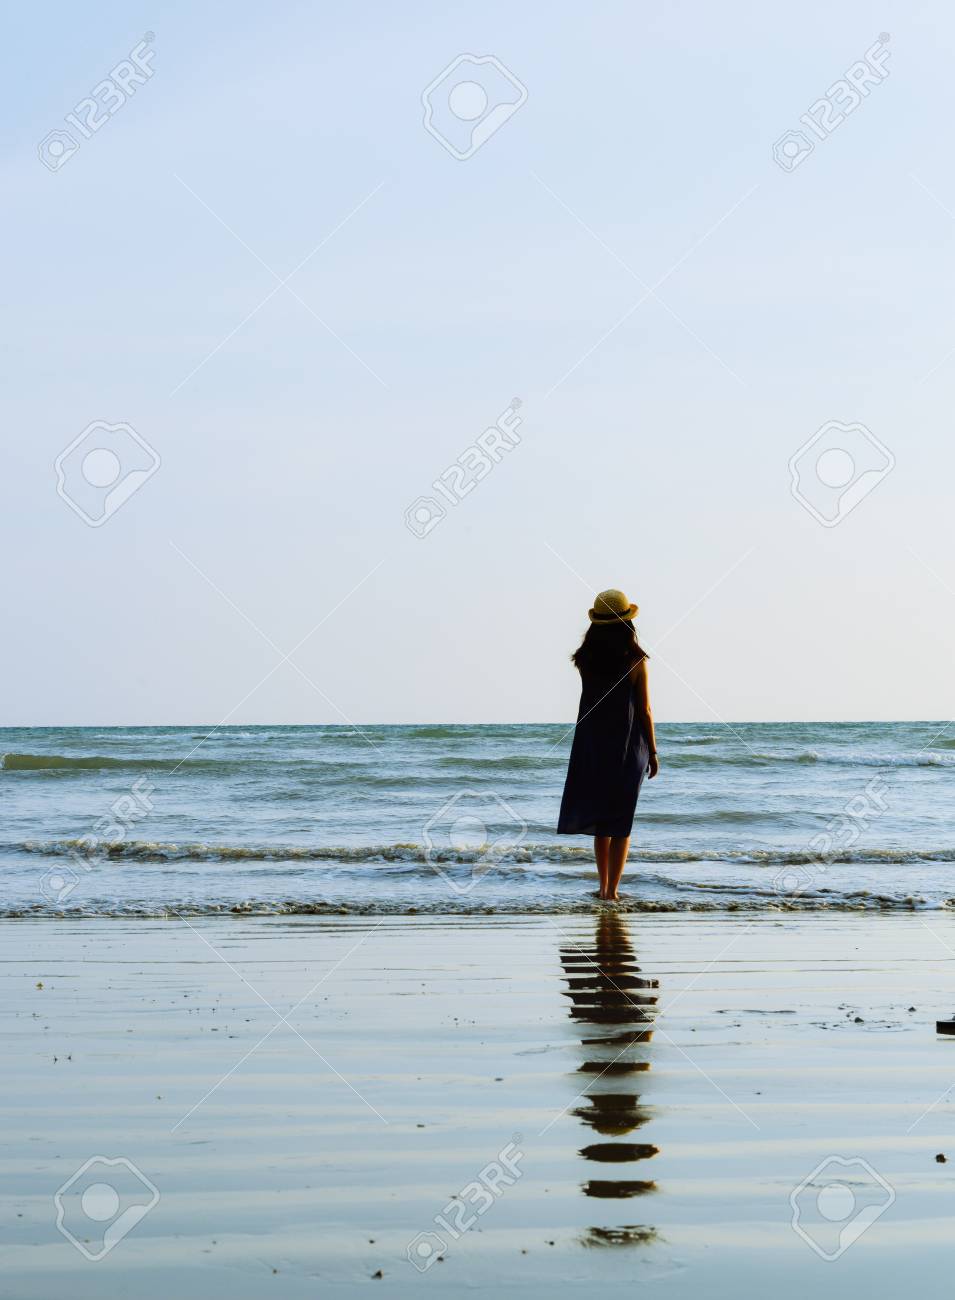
x: 614, y: 744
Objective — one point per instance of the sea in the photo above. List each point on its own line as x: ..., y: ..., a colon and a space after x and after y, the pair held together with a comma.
x: 191, y: 821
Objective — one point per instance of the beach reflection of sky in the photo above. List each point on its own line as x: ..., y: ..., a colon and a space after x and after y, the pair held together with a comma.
x: 613, y: 1005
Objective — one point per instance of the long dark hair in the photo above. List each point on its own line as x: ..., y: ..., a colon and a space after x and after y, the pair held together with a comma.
x: 609, y: 648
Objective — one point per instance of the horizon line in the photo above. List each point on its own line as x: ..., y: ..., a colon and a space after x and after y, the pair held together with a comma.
x: 356, y: 726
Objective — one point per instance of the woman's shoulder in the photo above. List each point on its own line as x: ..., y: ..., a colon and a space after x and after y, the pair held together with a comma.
x: 638, y: 669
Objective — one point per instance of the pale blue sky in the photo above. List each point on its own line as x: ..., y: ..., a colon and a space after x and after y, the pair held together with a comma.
x: 295, y: 429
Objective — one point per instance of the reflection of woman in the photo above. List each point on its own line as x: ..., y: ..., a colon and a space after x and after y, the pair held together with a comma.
x: 614, y: 744
x: 613, y: 1006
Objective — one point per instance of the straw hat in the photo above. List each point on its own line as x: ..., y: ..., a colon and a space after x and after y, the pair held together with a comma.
x: 611, y: 606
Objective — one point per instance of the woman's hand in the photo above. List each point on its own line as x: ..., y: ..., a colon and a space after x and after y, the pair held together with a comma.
x: 653, y: 766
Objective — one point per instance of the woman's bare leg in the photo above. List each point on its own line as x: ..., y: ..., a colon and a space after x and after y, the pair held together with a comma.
x: 601, y: 853
x: 616, y: 861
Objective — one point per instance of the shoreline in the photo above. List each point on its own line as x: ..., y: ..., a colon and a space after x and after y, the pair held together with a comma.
x: 865, y: 903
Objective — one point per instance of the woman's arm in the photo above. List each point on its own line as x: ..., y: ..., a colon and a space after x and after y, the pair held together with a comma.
x: 641, y: 690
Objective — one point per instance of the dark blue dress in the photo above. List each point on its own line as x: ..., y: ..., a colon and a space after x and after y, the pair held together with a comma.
x: 608, y: 760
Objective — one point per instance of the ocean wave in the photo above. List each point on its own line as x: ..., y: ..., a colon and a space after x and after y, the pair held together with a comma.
x: 756, y: 758
x: 518, y: 854
x: 921, y: 759
x: 444, y: 768
x: 92, y: 762
x: 729, y: 816
x: 434, y: 732
x: 747, y: 758
x: 13, y: 762
x: 859, y: 901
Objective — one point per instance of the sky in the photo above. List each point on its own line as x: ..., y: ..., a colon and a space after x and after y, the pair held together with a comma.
x: 265, y: 306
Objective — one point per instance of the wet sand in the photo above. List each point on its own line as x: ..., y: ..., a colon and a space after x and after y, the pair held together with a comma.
x: 535, y: 1105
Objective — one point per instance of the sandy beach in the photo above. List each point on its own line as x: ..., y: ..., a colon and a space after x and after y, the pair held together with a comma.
x: 519, y: 1079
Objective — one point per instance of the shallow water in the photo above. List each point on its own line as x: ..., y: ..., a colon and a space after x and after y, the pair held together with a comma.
x: 318, y: 1104
x: 126, y: 821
